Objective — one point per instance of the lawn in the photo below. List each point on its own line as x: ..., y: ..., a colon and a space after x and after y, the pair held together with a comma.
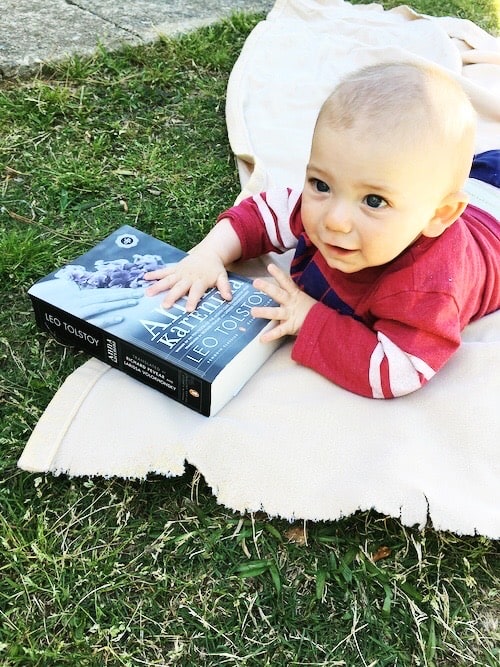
x: 118, y: 572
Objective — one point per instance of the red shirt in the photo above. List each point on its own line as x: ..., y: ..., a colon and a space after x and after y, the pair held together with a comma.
x: 384, y: 331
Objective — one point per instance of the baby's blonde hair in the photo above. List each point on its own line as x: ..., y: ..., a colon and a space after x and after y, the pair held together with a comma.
x: 417, y: 105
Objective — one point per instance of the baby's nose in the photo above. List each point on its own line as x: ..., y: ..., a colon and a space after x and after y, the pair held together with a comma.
x: 338, y: 217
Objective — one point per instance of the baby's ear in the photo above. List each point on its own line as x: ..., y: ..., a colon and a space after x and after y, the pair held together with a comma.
x: 445, y: 215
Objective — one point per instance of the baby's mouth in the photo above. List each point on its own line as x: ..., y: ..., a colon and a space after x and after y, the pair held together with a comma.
x: 338, y: 250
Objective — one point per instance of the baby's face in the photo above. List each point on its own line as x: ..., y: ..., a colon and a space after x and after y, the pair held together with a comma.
x: 365, y: 201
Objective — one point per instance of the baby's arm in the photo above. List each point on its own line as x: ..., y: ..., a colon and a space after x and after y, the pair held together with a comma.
x: 202, y: 268
x: 368, y: 361
x: 398, y: 354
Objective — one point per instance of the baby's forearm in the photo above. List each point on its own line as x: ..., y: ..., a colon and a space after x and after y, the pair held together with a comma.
x: 221, y: 240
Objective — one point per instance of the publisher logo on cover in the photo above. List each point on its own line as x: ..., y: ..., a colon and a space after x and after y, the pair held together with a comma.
x: 126, y: 241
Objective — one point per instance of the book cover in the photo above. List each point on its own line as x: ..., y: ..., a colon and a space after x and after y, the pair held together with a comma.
x: 97, y: 303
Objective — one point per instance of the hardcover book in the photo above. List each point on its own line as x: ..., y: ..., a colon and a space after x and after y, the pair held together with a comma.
x: 97, y: 304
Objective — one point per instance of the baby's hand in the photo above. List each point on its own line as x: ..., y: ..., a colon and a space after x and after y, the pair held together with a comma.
x: 193, y: 275
x: 293, y: 309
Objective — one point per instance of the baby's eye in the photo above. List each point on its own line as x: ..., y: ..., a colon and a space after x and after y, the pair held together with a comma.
x: 374, y: 201
x: 320, y: 186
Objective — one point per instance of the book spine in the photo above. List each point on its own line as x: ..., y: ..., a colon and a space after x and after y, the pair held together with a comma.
x: 153, y: 371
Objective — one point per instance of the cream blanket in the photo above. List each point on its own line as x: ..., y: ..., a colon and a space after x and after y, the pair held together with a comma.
x: 291, y: 443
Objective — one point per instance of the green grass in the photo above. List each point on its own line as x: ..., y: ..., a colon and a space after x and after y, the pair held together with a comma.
x: 112, y: 572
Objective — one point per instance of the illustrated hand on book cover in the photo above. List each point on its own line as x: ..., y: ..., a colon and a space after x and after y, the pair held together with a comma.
x: 92, y: 304
x: 109, y: 286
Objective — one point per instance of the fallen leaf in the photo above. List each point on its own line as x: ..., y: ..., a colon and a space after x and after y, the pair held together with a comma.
x: 16, y: 216
x: 297, y: 535
x: 381, y: 553
x: 124, y: 172
x: 10, y: 171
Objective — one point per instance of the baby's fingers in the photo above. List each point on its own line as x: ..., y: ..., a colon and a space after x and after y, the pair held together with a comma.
x: 269, y: 288
x: 158, y: 274
x: 177, y: 291
x: 161, y: 285
x: 224, y: 287
x: 275, y: 333
x: 283, y: 279
x: 274, y: 315
x: 196, y: 291
x: 268, y: 313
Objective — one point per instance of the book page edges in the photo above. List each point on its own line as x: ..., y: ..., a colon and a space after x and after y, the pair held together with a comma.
x: 243, y: 366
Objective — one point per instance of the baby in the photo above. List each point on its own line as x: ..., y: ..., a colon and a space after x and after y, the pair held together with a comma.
x: 390, y: 262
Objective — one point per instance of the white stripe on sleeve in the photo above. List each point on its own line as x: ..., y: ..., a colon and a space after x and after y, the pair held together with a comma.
x: 374, y: 375
x: 283, y: 204
x: 279, y: 202
x: 404, y: 369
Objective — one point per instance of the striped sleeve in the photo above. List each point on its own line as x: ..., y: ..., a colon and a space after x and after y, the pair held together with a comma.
x: 390, y: 359
x: 266, y: 222
x: 393, y: 372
